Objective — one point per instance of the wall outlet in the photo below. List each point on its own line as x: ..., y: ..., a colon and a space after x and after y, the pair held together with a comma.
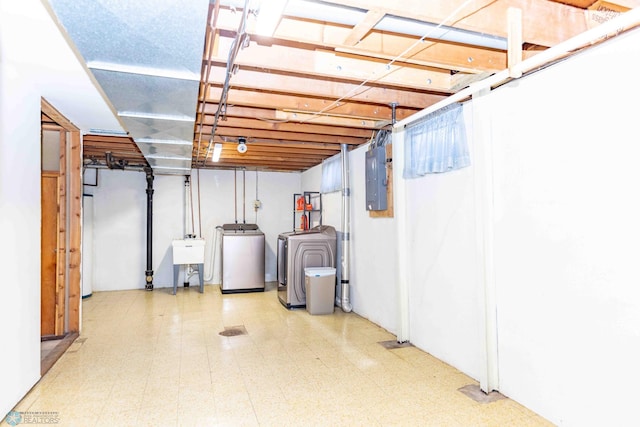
x: 257, y: 204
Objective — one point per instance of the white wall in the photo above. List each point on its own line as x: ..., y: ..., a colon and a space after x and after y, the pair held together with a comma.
x: 444, y: 307
x: 20, y: 229
x: 562, y: 214
x: 373, y: 264
x: 29, y: 70
x: 567, y: 235
x: 119, y: 202
x: 120, y: 220
x: 275, y: 191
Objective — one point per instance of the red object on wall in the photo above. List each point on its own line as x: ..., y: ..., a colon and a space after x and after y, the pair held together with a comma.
x: 303, y: 222
x: 300, y: 203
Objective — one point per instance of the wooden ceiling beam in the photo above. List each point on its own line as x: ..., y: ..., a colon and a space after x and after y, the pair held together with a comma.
x: 272, y: 157
x: 110, y: 138
x: 254, y: 151
x: 239, y: 97
x: 314, y: 87
x: 372, y: 17
x: 381, y: 45
x: 293, y: 116
x: 288, y: 127
x: 224, y: 131
x: 326, y: 64
x: 275, y: 146
x: 107, y: 142
x: 279, y: 162
x: 545, y: 23
x: 282, y: 151
x: 51, y: 112
x: 329, y: 147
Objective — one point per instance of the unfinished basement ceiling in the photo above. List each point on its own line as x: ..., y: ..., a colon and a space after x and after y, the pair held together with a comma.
x: 333, y: 72
x: 146, y: 57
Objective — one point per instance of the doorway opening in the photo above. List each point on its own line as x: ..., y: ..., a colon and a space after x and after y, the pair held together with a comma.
x: 61, y: 229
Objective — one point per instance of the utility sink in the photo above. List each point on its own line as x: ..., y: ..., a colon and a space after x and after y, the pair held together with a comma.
x: 188, y: 251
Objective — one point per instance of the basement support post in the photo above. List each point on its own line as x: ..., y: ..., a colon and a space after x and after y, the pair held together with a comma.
x: 149, y: 271
x: 484, y: 221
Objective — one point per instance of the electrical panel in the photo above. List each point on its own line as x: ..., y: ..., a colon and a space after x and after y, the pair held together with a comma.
x: 376, y: 178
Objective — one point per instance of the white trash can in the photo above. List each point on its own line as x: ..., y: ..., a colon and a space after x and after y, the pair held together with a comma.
x: 320, y: 287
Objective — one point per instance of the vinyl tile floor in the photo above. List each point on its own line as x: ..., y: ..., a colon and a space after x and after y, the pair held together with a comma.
x: 157, y: 359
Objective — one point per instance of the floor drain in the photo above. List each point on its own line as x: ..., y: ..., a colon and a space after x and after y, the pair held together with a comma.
x: 233, y: 331
x: 391, y: 344
x: 473, y: 391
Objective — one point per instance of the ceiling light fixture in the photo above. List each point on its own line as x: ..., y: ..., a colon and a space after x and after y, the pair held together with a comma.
x: 242, y: 145
x: 217, y: 150
x: 269, y: 15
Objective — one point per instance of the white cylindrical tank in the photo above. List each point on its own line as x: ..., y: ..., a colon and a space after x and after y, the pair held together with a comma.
x: 87, y: 245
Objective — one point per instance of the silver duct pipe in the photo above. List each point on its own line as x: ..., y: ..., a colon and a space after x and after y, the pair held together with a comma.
x: 346, y: 225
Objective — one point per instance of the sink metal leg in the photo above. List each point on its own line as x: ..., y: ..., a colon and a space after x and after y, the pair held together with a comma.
x: 176, y: 273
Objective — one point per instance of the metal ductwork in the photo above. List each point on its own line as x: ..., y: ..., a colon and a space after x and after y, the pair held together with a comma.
x: 146, y: 56
x: 345, y: 304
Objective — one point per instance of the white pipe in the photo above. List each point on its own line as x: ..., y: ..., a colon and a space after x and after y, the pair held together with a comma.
x: 590, y: 37
x: 402, y: 242
x: 214, y: 249
x: 345, y: 304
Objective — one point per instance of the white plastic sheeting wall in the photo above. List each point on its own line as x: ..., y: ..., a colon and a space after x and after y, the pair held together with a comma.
x: 444, y: 308
x: 565, y: 144
x: 562, y: 147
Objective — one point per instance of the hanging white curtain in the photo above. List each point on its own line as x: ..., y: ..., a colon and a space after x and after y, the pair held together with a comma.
x: 437, y: 143
x: 331, y: 174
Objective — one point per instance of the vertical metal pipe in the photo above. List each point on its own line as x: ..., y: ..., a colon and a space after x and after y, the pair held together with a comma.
x: 244, y: 197
x: 149, y: 271
x: 393, y: 112
x: 235, y: 195
x: 345, y: 304
x: 187, y: 206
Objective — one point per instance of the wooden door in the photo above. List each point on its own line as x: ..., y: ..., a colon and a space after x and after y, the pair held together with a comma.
x: 49, y: 254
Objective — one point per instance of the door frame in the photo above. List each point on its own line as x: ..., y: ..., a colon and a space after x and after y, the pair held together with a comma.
x: 70, y: 225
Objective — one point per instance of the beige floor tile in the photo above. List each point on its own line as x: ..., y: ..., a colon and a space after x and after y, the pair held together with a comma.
x: 152, y: 358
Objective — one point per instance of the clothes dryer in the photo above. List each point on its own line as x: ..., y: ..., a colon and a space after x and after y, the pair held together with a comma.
x: 297, y: 251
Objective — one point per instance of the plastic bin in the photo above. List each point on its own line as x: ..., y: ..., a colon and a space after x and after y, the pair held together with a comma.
x: 320, y: 287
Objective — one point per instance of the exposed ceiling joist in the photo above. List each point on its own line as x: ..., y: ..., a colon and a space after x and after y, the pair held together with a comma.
x: 329, y: 74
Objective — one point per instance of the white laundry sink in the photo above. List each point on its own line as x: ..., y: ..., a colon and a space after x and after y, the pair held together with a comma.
x: 188, y: 251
